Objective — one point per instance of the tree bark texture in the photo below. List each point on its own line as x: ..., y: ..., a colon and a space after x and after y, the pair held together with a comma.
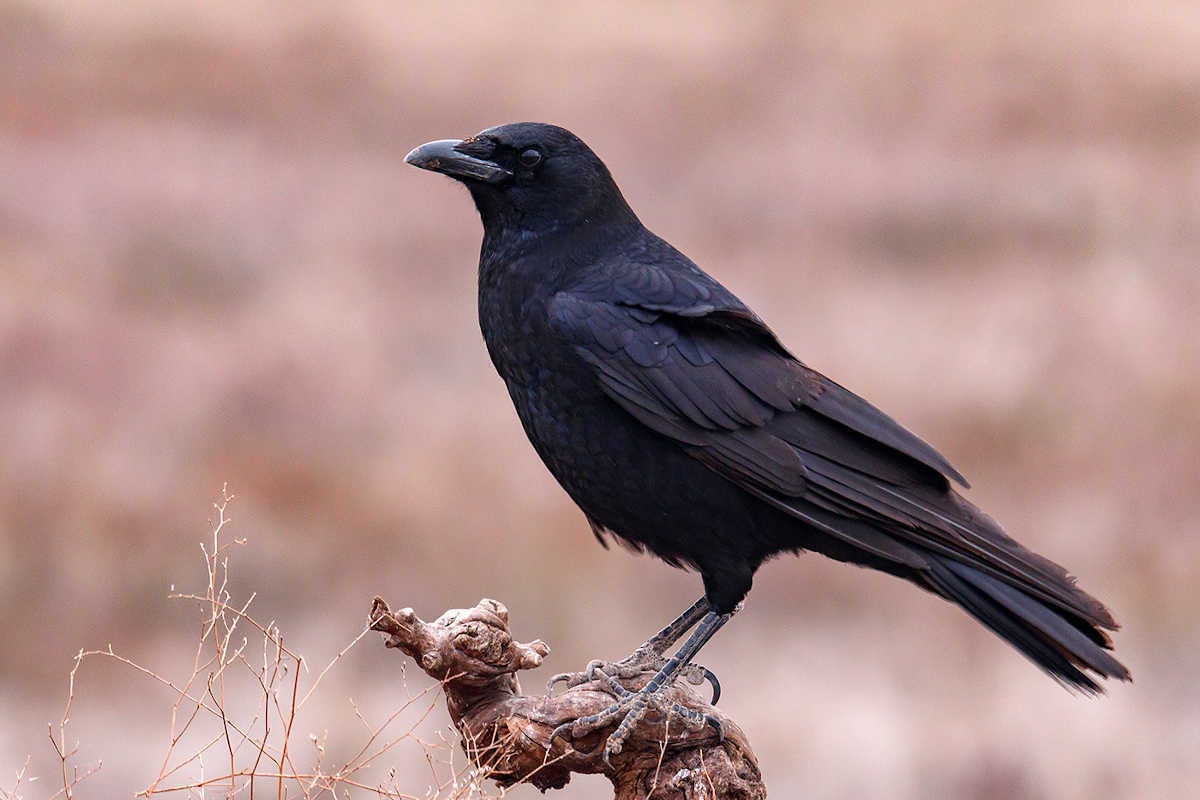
x: 508, y: 733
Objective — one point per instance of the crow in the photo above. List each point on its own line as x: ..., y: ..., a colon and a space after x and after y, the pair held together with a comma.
x: 677, y: 421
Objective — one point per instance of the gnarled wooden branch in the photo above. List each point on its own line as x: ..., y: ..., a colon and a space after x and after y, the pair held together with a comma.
x: 508, y: 733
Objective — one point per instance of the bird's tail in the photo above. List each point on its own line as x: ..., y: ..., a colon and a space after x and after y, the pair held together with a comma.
x: 1061, y: 643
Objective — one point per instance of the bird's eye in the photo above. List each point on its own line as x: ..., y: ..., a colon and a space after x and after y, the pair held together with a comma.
x: 530, y: 158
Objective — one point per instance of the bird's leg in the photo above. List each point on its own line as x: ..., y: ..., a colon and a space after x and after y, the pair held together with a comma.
x: 648, y: 657
x: 659, y: 642
x: 632, y: 707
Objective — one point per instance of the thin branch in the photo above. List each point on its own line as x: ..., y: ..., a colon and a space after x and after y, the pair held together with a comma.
x: 248, y: 748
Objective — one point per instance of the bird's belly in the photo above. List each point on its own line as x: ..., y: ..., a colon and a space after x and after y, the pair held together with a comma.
x: 634, y: 482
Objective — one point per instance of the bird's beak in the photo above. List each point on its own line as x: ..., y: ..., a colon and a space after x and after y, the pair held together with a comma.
x: 444, y: 156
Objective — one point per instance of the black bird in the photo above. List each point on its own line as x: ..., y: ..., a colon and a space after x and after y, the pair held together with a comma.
x: 678, y: 422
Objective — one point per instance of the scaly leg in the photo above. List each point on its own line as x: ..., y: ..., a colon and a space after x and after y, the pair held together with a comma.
x: 649, y: 657
x: 632, y: 707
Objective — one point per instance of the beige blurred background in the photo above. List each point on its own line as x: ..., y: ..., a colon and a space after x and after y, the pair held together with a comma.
x: 215, y: 266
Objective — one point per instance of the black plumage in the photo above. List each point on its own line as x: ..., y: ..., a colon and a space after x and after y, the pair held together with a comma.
x: 678, y: 422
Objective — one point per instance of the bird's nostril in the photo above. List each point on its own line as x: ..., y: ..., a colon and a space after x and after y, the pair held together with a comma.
x: 476, y: 146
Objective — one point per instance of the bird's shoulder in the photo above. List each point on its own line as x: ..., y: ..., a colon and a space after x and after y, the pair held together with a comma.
x: 687, y: 358
x: 647, y: 272
x: 648, y: 305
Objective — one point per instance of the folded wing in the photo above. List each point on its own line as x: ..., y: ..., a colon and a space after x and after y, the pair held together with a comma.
x: 704, y: 371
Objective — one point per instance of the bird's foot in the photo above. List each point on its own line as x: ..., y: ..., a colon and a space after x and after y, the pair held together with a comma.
x: 631, y: 708
x: 644, y: 660
x: 638, y: 662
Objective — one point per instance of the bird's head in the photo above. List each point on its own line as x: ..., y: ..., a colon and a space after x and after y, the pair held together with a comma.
x: 529, y: 178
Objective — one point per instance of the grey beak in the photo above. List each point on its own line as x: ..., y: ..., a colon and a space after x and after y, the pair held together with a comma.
x: 441, y: 156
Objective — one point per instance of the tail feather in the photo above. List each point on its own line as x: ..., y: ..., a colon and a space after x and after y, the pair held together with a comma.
x: 1062, y: 644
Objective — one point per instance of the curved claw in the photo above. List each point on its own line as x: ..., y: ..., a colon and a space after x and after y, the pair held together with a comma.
x: 561, y: 730
x: 716, y: 685
x: 562, y: 677
x: 573, y: 679
x: 697, y: 675
x: 594, y: 668
x: 715, y: 723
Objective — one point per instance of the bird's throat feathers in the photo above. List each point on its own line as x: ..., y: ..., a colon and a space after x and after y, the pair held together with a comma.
x: 512, y: 230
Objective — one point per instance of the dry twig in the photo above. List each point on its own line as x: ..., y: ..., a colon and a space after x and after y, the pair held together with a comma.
x: 255, y: 744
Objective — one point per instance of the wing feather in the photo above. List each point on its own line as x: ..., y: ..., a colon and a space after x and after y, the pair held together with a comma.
x: 717, y: 381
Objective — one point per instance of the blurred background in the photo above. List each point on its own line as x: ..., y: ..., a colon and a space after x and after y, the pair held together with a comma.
x: 215, y: 266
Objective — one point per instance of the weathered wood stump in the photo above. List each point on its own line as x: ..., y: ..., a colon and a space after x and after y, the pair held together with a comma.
x: 508, y: 734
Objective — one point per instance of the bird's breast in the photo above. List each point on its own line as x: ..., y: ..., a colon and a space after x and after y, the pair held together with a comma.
x: 623, y: 475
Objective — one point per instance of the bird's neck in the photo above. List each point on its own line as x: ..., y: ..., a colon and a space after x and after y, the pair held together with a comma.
x: 555, y: 240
